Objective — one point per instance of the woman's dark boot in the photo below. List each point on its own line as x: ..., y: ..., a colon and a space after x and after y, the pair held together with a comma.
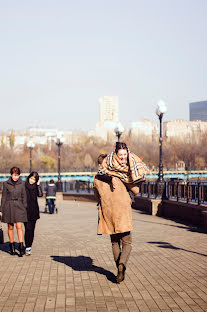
x: 12, y: 248
x: 21, y: 249
x: 121, y: 273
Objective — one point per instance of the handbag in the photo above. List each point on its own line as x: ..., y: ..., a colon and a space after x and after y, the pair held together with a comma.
x: 1, y: 233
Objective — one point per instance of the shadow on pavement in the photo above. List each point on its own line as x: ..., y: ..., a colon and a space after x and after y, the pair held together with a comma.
x: 182, y: 224
x: 5, y: 247
x: 82, y: 263
x: 170, y: 246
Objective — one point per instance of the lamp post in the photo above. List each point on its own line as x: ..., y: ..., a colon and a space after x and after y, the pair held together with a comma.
x: 118, y: 131
x: 161, y: 109
x: 59, y: 143
x: 30, y: 145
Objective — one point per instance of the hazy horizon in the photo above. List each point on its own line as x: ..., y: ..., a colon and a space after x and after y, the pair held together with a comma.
x: 58, y: 59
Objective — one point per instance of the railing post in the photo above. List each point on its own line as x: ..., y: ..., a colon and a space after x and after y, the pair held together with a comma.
x: 198, y: 192
x: 177, y: 190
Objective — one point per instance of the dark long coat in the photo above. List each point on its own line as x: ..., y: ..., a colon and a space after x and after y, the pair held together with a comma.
x: 14, y: 202
x: 33, y: 191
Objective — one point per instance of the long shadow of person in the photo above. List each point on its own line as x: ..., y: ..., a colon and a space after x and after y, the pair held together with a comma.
x: 170, y: 246
x: 5, y: 248
x: 82, y: 263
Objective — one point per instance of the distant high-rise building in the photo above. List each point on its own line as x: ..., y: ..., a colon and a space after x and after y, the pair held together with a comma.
x: 198, y: 111
x: 109, y: 108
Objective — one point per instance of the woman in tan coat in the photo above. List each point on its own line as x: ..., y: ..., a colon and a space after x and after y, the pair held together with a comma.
x: 111, y: 187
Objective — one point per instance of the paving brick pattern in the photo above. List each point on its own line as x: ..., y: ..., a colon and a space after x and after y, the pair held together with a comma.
x: 72, y: 269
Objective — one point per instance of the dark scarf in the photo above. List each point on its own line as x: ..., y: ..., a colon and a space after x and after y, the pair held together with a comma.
x: 31, y: 190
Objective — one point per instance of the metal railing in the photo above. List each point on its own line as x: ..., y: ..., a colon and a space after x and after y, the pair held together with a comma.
x: 181, y: 191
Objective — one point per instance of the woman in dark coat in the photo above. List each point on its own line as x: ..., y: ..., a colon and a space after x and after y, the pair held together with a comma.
x: 33, y: 190
x: 14, y: 208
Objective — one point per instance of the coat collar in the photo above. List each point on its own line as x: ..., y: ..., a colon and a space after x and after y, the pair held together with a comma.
x: 10, y: 181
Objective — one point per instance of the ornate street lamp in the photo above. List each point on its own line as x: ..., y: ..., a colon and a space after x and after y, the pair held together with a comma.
x: 30, y: 145
x: 161, y: 109
x: 59, y: 143
x: 118, y: 131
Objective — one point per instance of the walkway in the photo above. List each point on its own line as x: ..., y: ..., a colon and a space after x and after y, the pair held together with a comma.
x: 72, y: 268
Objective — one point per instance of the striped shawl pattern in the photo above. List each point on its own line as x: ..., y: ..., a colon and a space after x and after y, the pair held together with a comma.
x: 132, y: 172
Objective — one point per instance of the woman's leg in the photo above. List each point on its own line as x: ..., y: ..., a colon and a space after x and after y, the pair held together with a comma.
x: 126, y: 239
x: 19, y: 231
x: 11, y: 238
x: 53, y: 205
x: 115, y: 241
x: 11, y: 232
x: 29, y: 233
x: 49, y: 205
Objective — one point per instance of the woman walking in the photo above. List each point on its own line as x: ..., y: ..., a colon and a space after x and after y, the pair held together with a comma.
x: 13, y: 208
x: 33, y: 190
x: 119, y: 173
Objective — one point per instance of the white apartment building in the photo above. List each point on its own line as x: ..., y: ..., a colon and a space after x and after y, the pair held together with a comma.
x: 144, y: 129
x: 186, y: 131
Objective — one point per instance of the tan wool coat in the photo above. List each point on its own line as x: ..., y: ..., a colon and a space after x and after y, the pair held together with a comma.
x: 115, y: 213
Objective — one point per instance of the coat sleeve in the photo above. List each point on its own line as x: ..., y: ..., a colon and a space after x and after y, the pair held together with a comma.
x: 24, y: 196
x: 104, y: 178
x: 55, y: 190
x: 39, y: 191
x: 95, y: 191
x: 3, y: 199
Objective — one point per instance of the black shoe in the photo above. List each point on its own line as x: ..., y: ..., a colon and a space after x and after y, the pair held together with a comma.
x: 12, y: 248
x: 21, y: 249
x: 121, y: 273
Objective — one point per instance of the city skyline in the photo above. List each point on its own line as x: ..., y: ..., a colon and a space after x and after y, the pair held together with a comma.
x: 58, y: 61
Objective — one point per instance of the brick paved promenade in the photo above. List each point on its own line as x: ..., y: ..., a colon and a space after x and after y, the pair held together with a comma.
x: 72, y: 268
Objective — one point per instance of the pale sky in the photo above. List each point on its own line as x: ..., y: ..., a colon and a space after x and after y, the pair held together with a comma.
x: 59, y: 57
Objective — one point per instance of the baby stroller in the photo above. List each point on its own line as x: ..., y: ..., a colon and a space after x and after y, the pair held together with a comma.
x: 47, y: 209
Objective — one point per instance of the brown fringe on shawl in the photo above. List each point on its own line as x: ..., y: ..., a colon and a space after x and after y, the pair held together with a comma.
x: 133, y: 172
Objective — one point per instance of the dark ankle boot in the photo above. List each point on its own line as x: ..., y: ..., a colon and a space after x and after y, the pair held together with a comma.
x: 21, y: 249
x: 121, y: 273
x: 12, y: 248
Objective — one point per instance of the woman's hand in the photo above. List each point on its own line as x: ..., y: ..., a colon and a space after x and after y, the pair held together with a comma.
x: 114, y: 182
x: 0, y: 214
x: 38, y: 182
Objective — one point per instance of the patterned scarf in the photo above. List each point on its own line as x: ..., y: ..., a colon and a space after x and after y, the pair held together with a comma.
x: 132, y: 172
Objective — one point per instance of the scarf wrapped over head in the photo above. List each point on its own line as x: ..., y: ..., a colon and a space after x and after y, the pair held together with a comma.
x: 132, y: 172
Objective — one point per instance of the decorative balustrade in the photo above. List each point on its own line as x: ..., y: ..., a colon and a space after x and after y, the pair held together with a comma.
x: 181, y: 191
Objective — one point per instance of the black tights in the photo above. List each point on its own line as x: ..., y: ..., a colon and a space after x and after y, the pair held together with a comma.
x: 29, y: 232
